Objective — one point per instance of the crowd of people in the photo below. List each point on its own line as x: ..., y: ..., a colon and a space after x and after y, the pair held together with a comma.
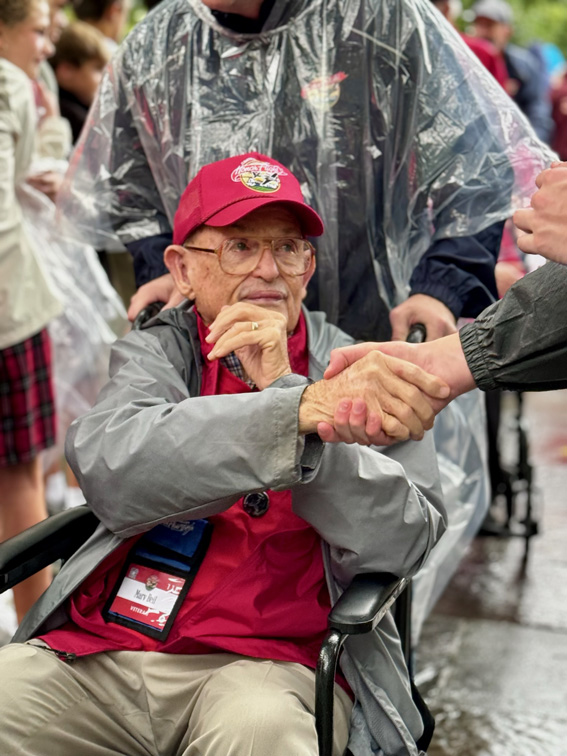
x: 259, y: 161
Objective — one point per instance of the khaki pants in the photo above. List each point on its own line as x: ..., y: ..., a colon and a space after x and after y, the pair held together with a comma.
x: 139, y: 702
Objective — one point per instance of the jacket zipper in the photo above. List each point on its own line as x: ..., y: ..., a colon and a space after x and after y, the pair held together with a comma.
x: 63, y: 655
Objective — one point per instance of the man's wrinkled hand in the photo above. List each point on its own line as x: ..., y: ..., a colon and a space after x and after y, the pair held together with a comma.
x: 437, y: 318
x: 258, y: 337
x: 353, y: 424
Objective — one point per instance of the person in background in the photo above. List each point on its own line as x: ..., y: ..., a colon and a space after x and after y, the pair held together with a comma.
x: 57, y: 22
x: 108, y: 16
x: 55, y: 132
x: 58, y: 19
x: 27, y: 304
x: 494, y: 21
x: 80, y: 57
x: 490, y: 57
x: 366, y: 203
x: 559, y: 114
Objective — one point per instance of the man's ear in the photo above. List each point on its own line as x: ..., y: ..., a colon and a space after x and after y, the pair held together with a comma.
x: 174, y: 259
x: 308, y: 276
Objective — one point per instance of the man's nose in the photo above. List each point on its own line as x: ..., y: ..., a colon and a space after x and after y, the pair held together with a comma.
x: 266, y: 268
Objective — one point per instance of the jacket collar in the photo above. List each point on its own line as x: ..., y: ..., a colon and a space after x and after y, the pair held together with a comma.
x: 280, y: 15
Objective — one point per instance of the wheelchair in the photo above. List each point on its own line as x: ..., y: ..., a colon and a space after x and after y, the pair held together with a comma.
x: 359, y: 609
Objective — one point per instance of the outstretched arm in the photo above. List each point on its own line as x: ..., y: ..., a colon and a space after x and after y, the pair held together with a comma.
x: 518, y: 343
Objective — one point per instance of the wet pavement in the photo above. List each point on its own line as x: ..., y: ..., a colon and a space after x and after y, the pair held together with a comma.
x: 492, y: 660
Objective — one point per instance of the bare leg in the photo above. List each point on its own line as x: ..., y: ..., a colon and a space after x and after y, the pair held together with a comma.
x: 22, y: 504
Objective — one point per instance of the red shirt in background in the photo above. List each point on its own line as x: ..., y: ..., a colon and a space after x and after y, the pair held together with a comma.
x: 489, y: 56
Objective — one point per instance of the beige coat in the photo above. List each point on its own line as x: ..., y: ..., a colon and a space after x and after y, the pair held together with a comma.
x: 27, y: 303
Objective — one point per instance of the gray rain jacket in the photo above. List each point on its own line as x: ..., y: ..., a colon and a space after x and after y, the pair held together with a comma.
x: 152, y: 450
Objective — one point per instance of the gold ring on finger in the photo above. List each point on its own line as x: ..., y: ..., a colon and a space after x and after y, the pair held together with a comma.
x: 254, y: 325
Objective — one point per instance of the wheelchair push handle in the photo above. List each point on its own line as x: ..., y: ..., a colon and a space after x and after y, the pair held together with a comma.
x: 146, y: 314
x: 417, y: 333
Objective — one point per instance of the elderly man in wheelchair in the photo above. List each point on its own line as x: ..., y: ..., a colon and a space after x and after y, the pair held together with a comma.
x: 190, y: 621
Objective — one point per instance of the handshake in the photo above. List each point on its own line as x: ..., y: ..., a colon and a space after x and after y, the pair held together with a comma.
x: 368, y: 397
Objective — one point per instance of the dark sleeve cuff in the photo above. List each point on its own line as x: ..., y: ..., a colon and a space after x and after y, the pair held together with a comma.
x: 475, y: 357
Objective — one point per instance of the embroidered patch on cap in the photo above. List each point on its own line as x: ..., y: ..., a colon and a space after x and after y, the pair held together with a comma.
x: 258, y: 176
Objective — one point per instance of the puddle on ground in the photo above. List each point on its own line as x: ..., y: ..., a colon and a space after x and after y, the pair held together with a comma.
x: 462, y: 732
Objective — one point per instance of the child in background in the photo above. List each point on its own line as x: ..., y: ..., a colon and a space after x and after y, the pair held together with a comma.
x: 108, y: 16
x: 79, y: 59
x: 27, y: 304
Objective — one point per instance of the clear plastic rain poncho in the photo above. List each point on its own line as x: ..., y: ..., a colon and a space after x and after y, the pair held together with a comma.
x: 81, y: 336
x: 396, y: 132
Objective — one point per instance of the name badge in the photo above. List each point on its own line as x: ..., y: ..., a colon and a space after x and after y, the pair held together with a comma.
x: 156, y: 577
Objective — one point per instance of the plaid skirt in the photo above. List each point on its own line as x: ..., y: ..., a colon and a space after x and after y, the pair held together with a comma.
x: 27, y: 407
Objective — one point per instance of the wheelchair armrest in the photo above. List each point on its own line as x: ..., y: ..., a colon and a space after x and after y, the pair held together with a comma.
x: 366, y: 600
x: 42, y: 544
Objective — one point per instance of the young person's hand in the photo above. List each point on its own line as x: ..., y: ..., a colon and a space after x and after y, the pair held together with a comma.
x: 438, y: 370
x: 47, y: 105
x: 48, y: 183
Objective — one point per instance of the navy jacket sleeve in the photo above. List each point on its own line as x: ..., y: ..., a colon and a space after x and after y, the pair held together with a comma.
x: 148, y: 257
x: 460, y: 271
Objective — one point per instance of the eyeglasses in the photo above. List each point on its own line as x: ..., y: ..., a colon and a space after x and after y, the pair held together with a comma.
x: 238, y: 257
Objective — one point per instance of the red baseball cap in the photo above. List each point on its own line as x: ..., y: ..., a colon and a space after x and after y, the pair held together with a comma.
x: 227, y: 190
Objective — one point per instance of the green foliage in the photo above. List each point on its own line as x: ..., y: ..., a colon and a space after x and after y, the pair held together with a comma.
x: 538, y: 21
x: 137, y: 13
